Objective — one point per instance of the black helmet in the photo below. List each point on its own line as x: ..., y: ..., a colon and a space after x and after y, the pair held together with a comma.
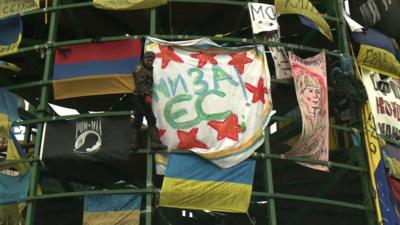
x: 149, y: 55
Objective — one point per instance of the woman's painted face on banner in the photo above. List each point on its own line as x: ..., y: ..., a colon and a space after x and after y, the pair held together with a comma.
x: 311, y: 96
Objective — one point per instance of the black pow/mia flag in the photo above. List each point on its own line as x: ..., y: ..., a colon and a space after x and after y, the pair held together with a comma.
x: 94, y: 150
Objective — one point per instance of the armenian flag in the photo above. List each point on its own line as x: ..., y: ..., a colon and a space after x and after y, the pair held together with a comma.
x: 95, y: 68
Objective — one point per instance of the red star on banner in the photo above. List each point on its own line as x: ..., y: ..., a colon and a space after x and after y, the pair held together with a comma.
x: 204, y: 58
x: 188, y: 139
x: 229, y: 128
x: 258, y: 92
x: 239, y: 60
x: 161, y: 132
x: 167, y: 54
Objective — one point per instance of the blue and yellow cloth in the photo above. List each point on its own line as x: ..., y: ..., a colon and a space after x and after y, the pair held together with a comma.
x: 8, y: 114
x: 192, y: 182
x: 14, y: 188
x: 10, y: 35
x: 112, y: 209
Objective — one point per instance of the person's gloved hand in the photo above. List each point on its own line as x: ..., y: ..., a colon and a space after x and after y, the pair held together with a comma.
x: 148, y: 99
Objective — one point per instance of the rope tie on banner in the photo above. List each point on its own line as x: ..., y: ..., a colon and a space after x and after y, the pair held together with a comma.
x: 46, y: 2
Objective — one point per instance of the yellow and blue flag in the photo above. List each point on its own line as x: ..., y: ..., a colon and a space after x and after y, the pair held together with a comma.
x: 10, y: 35
x: 112, y: 209
x: 392, y: 160
x: 8, y: 8
x: 9, y: 105
x: 14, y: 188
x: 9, y: 113
x: 192, y: 182
x: 377, y: 53
x: 95, y: 68
x: 127, y: 4
x: 308, y: 10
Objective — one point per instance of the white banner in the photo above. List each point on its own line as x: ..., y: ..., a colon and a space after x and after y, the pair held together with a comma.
x: 384, y: 98
x: 210, y: 100
x: 281, y: 59
x: 263, y: 17
x: 312, y: 94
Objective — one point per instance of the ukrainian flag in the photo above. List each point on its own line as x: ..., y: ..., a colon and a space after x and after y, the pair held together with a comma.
x: 377, y: 53
x: 310, y: 12
x: 192, y: 182
x: 14, y: 188
x: 112, y: 209
x: 10, y: 35
x: 95, y: 68
x: 9, y: 113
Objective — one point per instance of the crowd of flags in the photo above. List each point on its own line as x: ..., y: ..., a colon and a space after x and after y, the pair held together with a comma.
x: 219, y: 176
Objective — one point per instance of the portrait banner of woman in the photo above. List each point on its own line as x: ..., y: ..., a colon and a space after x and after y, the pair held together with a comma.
x: 311, y: 90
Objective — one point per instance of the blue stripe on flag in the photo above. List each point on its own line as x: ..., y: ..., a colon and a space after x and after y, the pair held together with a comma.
x: 309, y: 23
x: 10, y: 29
x: 14, y: 188
x: 192, y: 167
x: 374, y: 38
x: 65, y: 71
x: 21, y: 152
x: 112, y: 202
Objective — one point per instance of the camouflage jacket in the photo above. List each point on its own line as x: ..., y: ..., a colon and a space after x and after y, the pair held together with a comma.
x: 143, y: 79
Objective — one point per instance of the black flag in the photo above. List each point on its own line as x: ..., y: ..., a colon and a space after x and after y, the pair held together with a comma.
x: 90, y: 150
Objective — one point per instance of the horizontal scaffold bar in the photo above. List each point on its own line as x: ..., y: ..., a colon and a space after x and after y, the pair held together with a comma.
x: 123, y: 113
x: 89, y: 3
x: 153, y: 191
x: 313, y: 199
x: 248, y: 41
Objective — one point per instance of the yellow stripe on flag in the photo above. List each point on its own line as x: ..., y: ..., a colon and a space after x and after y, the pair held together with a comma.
x: 127, y: 4
x: 394, y: 166
x: 12, y: 151
x: 12, y: 48
x: 93, y: 85
x: 212, y: 195
x: 378, y: 60
x: 14, y: 7
x: 111, y: 217
x: 372, y: 148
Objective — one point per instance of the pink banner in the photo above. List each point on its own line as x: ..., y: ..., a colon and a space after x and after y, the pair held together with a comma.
x: 311, y: 89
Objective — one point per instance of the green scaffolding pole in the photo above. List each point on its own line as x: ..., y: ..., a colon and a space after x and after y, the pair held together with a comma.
x: 44, y: 98
x: 269, y: 181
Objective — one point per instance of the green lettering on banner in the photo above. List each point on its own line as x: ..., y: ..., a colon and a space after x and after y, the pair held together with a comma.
x: 307, y: 9
x: 198, y: 80
x: 220, y: 75
x: 172, y: 116
x: 8, y: 8
x: 378, y: 60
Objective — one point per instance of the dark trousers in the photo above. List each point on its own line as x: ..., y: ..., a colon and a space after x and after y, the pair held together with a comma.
x: 141, y: 109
